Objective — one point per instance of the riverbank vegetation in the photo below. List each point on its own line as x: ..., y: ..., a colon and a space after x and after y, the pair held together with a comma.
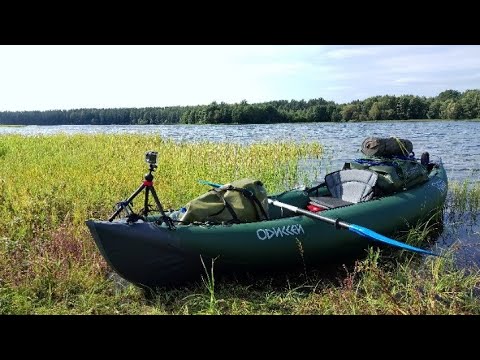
x: 449, y: 104
x: 49, y: 186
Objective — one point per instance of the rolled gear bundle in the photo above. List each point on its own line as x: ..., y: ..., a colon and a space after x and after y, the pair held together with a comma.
x: 230, y: 203
x: 386, y: 147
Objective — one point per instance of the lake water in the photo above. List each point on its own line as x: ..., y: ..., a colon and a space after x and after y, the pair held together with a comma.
x: 457, y: 143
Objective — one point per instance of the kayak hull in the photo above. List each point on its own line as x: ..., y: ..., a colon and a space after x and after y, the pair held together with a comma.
x: 151, y: 255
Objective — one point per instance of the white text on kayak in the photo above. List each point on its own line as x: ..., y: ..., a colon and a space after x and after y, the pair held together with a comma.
x: 288, y: 230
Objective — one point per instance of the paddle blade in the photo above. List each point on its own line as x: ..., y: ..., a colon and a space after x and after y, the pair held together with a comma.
x: 378, y: 237
x: 209, y: 183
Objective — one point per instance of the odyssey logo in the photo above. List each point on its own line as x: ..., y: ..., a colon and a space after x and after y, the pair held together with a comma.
x: 289, y: 230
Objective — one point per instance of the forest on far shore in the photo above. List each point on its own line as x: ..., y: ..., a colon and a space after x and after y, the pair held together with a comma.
x: 449, y: 104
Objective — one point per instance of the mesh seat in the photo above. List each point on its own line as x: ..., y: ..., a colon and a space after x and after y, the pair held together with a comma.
x: 347, y: 187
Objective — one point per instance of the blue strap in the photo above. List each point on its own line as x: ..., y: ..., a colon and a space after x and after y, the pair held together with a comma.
x: 409, y: 157
x: 372, y: 162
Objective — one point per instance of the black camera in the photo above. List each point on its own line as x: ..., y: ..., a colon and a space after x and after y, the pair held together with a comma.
x: 151, y: 157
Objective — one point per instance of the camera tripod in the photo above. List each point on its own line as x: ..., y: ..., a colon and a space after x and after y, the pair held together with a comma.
x: 147, y: 184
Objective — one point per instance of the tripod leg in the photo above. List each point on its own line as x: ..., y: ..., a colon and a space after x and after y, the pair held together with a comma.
x: 125, y: 203
x: 145, y: 204
x: 167, y: 220
x: 157, y: 201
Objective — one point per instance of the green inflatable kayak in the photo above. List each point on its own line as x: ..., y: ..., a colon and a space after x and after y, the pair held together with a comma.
x: 150, y: 254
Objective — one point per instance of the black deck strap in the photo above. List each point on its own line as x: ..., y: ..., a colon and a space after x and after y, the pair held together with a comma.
x: 220, y: 192
x: 254, y: 205
x: 259, y: 204
x: 231, y: 211
x: 247, y: 194
x: 253, y: 199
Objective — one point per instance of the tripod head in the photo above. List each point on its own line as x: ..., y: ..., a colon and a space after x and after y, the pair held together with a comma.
x: 151, y: 159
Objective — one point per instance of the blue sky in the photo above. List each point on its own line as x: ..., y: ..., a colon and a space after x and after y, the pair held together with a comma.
x: 68, y: 77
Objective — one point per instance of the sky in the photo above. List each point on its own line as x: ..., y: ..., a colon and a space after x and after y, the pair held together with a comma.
x: 38, y: 77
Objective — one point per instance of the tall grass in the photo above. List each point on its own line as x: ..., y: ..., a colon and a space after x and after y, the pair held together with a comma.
x: 49, y: 185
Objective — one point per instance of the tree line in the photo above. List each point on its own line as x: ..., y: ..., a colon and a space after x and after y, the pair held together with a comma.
x: 449, y: 104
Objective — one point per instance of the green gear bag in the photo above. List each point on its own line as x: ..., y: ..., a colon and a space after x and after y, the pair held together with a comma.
x: 243, y: 200
x: 384, y: 147
x: 394, y: 175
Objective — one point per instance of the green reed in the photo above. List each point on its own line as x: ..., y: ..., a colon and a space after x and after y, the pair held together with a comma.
x: 465, y: 196
x: 49, y: 185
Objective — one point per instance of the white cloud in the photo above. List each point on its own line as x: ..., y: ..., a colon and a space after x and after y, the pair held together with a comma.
x: 52, y: 77
x: 448, y: 58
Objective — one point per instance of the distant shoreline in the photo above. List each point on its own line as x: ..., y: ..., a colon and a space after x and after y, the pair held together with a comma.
x: 237, y: 124
x: 449, y: 104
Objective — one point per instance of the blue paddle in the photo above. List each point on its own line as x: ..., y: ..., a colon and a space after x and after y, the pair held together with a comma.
x: 360, y: 230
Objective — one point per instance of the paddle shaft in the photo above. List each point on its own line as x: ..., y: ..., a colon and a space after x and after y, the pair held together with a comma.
x: 297, y: 210
x: 360, y: 230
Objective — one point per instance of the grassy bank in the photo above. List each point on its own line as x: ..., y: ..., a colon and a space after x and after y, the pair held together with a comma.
x: 49, y: 185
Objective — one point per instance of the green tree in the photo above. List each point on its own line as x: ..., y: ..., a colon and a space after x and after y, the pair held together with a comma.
x: 434, y: 110
x: 470, y: 102
x: 449, y: 95
x: 375, y: 113
x: 451, y: 110
x: 350, y: 112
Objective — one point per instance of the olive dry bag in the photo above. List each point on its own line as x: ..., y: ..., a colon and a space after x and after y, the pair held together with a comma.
x: 243, y: 200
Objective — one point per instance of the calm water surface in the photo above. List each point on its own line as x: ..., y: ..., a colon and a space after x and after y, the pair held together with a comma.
x: 457, y: 143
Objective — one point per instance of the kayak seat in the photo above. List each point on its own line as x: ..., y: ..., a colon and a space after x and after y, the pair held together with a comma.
x: 347, y: 187
x: 328, y: 202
